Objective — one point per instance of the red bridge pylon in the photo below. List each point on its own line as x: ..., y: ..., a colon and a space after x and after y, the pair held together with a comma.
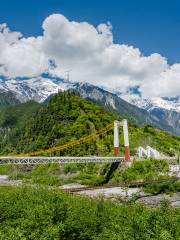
x: 126, y: 138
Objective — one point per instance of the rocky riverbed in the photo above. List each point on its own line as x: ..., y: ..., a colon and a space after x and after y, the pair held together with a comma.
x: 4, y: 180
x: 116, y: 192
x: 111, y: 192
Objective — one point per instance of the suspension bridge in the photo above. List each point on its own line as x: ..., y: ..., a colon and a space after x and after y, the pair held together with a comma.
x: 46, y: 160
x: 42, y: 156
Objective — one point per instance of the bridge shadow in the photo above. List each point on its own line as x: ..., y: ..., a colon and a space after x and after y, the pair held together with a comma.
x: 112, y: 169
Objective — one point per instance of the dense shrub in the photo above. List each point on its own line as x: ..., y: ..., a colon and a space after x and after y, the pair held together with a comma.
x: 148, y: 169
x: 164, y: 187
x: 56, y: 174
x: 27, y: 213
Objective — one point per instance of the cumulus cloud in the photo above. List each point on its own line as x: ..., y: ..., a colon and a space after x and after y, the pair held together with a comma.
x: 92, y: 56
x: 20, y: 57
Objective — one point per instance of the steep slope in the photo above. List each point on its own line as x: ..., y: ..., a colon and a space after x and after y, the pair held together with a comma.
x: 168, y: 117
x: 12, y: 121
x: 20, y: 113
x: 40, y: 88
x: 166, y: 111
x: 170, y: 104
x: 7, y: 99
x: 37, y: 89
x: 68, y: 117
x: 114, y: 103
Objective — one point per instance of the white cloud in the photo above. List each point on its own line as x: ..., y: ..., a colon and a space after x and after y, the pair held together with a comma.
x: 91, y: 55
x: 20, y: 56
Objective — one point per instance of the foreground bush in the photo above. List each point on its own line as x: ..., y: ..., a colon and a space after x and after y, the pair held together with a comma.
x: 27, y: 213
x: 167, y: 187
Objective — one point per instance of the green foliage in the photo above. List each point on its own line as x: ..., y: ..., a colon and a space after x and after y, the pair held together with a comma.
x: 70, y: 168
x: 12, y: 121
x: 67, y: 117
x: 18, y: 115
x: 165, y: 187
x: 5, y: 169
x: 90, y: 179
x: 161, y: 140
x: 46, y: 174
x: 95, y: 174
x: 56, y: 175
x: 149, y: 169
x: 27, y: 213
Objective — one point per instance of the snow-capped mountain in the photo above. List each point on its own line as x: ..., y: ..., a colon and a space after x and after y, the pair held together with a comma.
x: 165, y: 110
x: 8, y: 99
x: 163, y: 113
x: 37, y: 89
x: 157, y: 116
x: 170, y: 104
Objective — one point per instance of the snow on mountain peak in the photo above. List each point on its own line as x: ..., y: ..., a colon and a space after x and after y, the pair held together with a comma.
x: 150, y: 104
x: 41, y: 87
x: 37, y: 89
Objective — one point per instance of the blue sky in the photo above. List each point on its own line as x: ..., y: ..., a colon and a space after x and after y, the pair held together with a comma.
x: 151, y: 25
x: 140, y: 52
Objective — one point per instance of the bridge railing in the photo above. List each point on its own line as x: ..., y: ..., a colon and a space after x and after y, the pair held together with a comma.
x: 47, y: 160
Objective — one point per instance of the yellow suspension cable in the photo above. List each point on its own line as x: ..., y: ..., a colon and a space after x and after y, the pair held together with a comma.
x: 69, y: 144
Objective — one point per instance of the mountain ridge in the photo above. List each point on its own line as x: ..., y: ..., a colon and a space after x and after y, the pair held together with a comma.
x: 8, y: 98
x: 67, y: 117
x: 39, y: 89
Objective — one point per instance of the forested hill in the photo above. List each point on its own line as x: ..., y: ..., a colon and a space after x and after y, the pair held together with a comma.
x: 67, y: 117
x: 12, y: 122
x: 17, y: 116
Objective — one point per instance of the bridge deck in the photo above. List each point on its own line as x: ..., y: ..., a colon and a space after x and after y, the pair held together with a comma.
x: 46, y: 160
